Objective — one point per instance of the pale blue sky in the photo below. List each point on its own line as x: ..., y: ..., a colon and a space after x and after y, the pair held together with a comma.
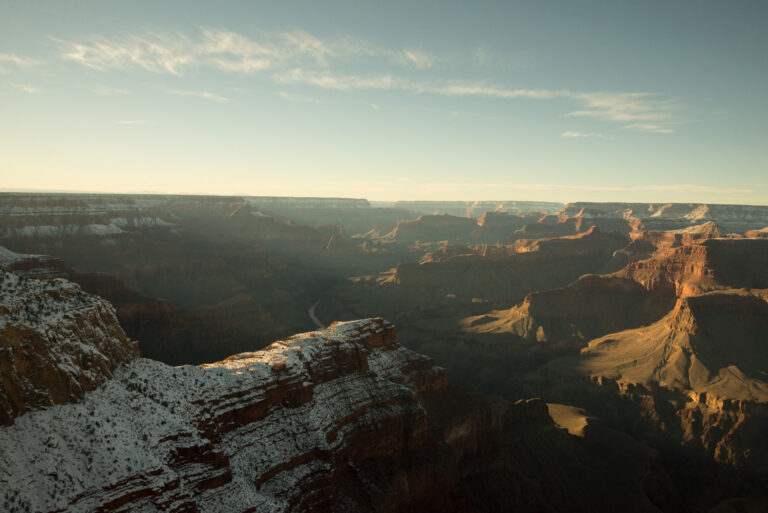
x: 635, y: 101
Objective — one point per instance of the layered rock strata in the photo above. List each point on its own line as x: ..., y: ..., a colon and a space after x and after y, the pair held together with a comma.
x: 56, y: 342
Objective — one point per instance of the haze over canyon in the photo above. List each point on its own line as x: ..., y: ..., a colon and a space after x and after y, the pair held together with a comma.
x: 211, y: 353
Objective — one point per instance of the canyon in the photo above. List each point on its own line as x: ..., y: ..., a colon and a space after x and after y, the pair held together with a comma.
x: 343, y: 419
x: 535, y: 356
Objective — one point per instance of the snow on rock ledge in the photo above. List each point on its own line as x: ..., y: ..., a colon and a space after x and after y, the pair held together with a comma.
x: 56, y: 342
x: 281, y: 429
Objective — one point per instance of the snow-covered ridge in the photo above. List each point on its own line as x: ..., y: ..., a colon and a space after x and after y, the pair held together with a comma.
x: 7, y: 256
x: 46, y: 216
x: 694, y: 212
x: 56, y: 342
x: 39, y: 304
x: 665, y: 217
x: 107, y: 215
x: 267, y: 430
x: 475, y: 208
x: 113, y: 226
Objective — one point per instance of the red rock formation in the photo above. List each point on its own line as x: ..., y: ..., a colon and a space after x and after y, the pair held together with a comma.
x: 551, y: 226
x: 758, y: 234
x: 493, y: 227
x: 57, y: 342
x: 641, y: 293
x: 681, y: 237
x: 698, y: 375
x: 590, y: 307
x: 508, y: 273
x: 342, y: 419
x: 712, y: 264
x: 672, y: 216
x: 433, y: 228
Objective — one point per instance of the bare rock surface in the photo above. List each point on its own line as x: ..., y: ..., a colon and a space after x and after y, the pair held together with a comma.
x: 338, y: 420
x: 56, y: 342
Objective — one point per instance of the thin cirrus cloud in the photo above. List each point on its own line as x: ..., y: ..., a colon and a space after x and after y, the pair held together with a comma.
x: 582, y: 135
x: 650, y: 127
x: 297, y: 57
x: 108, y: 91
x: 228, y: 51
x: 418, y: 58
x: 24, y: 88
x: 632, y: 108
x: 11, y: 60
x: 205, y: 95
x: 296, y: 98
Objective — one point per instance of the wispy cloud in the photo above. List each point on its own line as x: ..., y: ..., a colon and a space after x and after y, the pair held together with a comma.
x: 419, y: 59
x: 297, y: 98
x: 650, y: 127
x: 577, y: 135
x: 298, y: 57
x: 491, y: 91
x: 11, y: 60
x: 132, y: 122
x: 329, y: 80
x: 24, y: 88
x: 229, y: 51
x: 623, y: 107
x: 481, y: 56
x: 619, y: 107
x: 108, y: 91
x: 154, y: 52
x: 202, y: 94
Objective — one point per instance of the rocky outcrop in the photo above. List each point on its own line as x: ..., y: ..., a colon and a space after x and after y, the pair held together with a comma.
x: 433, y: 228
x: 640, y: 294
x: 758, y: 234
x: 493, y: 227
x: 77, y: 215
x: 590, y: 307
x: 509, y: 273
x: 338, y: 420
x: 712, y: 264
x: 680, y: 237
x: 708, y: 344
x: 490, y: 228
x: 645, y: 243
x: 56, y: 342
x: 477, y: 208
x: 673, y: 216
x: 695, y: 377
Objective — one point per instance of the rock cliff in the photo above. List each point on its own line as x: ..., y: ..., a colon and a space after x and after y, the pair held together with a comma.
x: 696, y: 268
x: 673, y: 216
x: 508, y: 273
x: 56, y: 341
x: 590, y: 307
x: 693, y: 381
x: 339, y: 420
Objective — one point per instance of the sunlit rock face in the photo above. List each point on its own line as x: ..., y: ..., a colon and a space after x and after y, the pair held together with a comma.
x: 342, y: 419
x: 338, y: 420
x: 273, y: 429
x: 673, y: 216
x: 512, y: 271
x: 709, y: 265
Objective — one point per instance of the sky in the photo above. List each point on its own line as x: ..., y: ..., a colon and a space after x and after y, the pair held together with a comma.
x: 563, y: 101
